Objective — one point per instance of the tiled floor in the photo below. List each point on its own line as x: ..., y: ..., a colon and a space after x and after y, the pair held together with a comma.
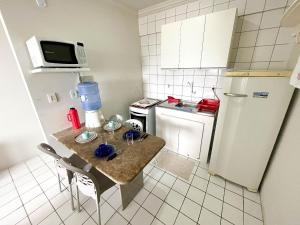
x: 29, y: 194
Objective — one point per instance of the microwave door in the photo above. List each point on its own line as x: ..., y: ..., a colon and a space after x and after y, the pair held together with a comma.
x: 58, y: 54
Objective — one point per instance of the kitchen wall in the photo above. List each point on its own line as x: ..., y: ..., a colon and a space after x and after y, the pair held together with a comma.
x: 110, y: 34
x: 280, y: 190
x: 20, y: 128
x: 259, y: 43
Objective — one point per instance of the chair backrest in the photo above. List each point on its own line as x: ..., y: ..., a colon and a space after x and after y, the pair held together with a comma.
x: 48, y: 150
x: 85, y: 181
x: 135, y: 124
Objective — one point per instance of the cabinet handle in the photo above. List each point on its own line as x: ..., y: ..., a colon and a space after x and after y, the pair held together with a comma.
x: 236, y: 95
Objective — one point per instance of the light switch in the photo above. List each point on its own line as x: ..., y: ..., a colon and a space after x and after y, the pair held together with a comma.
x: 52, y: 97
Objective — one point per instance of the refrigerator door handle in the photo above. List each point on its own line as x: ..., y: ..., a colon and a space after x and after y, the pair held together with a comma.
x: 236, y: 95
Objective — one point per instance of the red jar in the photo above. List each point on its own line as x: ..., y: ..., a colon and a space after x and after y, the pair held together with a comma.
x: 74, y: 118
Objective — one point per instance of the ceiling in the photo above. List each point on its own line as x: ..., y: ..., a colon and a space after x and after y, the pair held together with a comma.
x: 139, y: 4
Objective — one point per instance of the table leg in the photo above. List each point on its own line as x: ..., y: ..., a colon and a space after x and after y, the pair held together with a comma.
x: 130, y: 190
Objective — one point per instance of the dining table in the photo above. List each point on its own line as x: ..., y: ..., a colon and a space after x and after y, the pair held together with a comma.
x: 126, y: 169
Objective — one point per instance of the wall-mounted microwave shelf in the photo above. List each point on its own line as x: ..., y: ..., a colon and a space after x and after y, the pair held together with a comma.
x: 59, y: 70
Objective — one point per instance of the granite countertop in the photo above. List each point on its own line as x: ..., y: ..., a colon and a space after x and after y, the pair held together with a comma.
x: 127, y: 165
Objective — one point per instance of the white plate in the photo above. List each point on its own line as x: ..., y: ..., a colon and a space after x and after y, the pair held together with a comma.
x: 118, y: 126
x: 79, y: 139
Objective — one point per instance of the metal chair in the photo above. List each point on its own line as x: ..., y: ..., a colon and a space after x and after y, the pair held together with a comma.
x: 135, y: 124
x: 62, y: 172
x: 89, y: 181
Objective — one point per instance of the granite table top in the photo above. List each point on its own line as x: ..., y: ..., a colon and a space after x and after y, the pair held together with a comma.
x: 130, y: 160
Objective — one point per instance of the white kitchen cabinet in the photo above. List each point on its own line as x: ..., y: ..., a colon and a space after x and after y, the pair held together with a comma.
x: 191, y: 40
x: 219, y: 28
x: 199, y: 42
x: 186, y: 133
x: 170, y: 44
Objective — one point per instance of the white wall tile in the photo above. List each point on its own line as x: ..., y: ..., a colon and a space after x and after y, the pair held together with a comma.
x: 143, y: 20
x: 151, y: 50
x: 267, y: 37
x: 285, y: 36
x: 182, y: 9
x: 254, y: 6
x: 144, y: 40
x: 160, y: 15
x: 152, y: 39
x: 180, y: 17
x: 193, y: 6
x: 170, y: 19
x: 262, y: 54
x: 248, y: 39
x: 151, y: 28
x: 192, y: 14
x: 282, y: 52
x: 170, y: 12
x: 220, y: 7
x: 244, y: 54
x: 158, y: 25
x: 251, y: 22
x: 205, y: 11
x: 143, y: 29
x: 274, y: 4
x: 206, y: 3
x: 271, y: 18
x: 151, y: 18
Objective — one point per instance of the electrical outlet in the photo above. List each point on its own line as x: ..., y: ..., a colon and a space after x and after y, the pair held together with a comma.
x: 52, y: 97
x: 41, y: 3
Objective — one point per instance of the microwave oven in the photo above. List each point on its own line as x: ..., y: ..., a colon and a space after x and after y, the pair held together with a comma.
x: 47, y: 53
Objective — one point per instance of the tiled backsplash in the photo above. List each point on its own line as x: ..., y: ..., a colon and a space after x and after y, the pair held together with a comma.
x: 259, y: 43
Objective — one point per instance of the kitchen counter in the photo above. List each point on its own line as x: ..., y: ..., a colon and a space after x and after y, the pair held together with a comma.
x: 189, y: 107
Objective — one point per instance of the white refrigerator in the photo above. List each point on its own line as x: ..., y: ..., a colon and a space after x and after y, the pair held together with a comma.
x: 250, y: 116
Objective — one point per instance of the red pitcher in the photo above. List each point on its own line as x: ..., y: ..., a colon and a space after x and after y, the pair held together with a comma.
x: 74, y: 118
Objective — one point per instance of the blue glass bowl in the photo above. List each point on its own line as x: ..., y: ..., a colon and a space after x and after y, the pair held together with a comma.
x: 136, y: 134
x: 104, y: 150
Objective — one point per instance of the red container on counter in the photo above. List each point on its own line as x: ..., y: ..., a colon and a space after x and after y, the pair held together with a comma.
x: 74, y: 118
x: 208, y: 105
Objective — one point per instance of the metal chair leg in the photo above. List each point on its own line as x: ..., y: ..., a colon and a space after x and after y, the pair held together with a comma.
x: 98, y: 211
x: 59, y: 182
x: 71, y: 193
x: 78, y: 200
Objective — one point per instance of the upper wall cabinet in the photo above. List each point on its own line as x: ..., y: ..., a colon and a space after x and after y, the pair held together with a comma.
x: 198, y: 42
x: 170, y: 43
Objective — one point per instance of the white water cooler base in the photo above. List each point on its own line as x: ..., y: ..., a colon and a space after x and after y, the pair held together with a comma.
x: 93, y: 119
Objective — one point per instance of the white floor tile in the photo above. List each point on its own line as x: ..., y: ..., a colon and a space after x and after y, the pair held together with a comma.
x: 16, y: 216
x: 148, y: 168
x: 161, y: 191
x: 167, y: 180
x: 108, y: 193
x: 184, y: 220
x: 10, y: 207
x: 90, y: 205
x: 90, y: 221
x: 196, y: 195
x: 207, y: 217
x: 35, y: 203
x: 5, y: 179
x: 8, y: 197
x: 129, y: 211
x: 41, y: 213
x: 52, y: 192
x: 156, y: 173
x: 19, y: 170
x: 181, y: 186
x: 232, y: 214
x: 29, y: 195
x: 213, y: 204
x: 77, y: 218
x: 24, y: 221
x: 141, y: 196
x: 252, y: 208
x: 49, y: 183
x: 152, y: 204
x: 250, y: 220
x: 27, y: 187
x: 142, y: 217
x: 175, y: 199
x: 191, y: 209
x: 115, y: 200
x: 225, y: 222
x: 60, y: 199
x: 6, y: 189
x: 65, y: 210
x: 52, y: 219
x: 252, y: 196
x: 167, y: 214
x: 106, y: 212
x: 215, y: 190
x: 149, y: 183
x: 234, y: 188
x: 217, y: 180
x: 203, y: 173
x: 156, y: 222
x: 116, y: 219
x: 200, y: 183
x: 35, y: 163
x: 19, y: 182
x: 234, y: 199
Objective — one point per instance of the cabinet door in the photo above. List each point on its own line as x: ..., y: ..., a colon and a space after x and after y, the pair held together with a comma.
x: 191, y: 41
x: 218, y: 33
x: 167, y: 128
x: 190, y: 138
x: 170, y: 42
